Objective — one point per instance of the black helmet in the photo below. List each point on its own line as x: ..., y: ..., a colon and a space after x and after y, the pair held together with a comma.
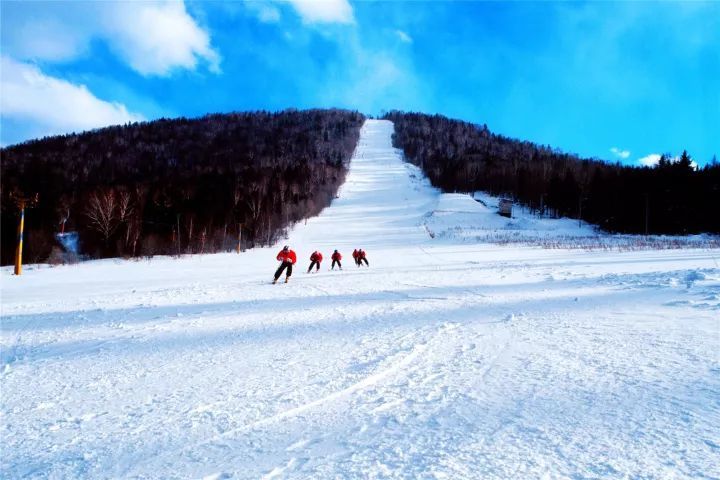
x: 286, y: 247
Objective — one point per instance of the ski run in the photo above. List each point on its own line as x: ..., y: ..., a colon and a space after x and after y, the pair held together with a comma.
x: 447, y: 357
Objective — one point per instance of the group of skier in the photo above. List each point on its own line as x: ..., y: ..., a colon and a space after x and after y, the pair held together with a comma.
x: 360, y: 256
x: 288, y: 258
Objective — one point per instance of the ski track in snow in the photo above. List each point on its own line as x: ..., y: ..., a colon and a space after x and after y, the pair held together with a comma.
x: 444, y: 359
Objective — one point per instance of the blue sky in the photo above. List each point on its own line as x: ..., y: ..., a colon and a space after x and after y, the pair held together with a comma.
x: 617, y: 81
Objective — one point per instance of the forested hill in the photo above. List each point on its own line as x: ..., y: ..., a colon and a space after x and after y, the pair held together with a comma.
x: 177, y: 186
x: 672, y: 197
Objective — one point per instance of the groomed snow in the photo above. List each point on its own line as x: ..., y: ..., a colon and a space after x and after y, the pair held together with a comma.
x: 461, y: 216
x: 444, y: 359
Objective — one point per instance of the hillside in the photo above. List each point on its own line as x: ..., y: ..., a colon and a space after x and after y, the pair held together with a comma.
x: 672, y: 198
x: 442, y: 359
x: 177, y: 186
x: 207, y: 184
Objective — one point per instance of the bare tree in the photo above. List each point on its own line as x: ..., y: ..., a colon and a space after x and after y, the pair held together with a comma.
x: 125, y: 212
x: 203, y: 238
x: 134, y: 231
x: 102, y: 211
x: 190, y: 227
x: 256, y: 200
x: 124, y: 205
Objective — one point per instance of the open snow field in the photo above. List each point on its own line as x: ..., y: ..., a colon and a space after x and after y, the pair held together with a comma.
x: 444, y: 359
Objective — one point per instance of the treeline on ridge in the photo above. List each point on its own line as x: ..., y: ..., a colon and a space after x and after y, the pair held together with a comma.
x: 670, y: 198
x: 177, y: 186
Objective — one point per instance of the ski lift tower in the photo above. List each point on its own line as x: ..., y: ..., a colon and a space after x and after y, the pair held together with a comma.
x: 22, y: 202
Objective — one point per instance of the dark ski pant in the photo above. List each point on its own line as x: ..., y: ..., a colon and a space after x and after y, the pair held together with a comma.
x: 314, y: 264
x: 363, y: 259
x: 332, y: 267
x: 282, y: 267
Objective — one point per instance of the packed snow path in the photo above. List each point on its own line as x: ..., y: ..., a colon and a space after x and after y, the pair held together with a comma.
x: 441, y: 360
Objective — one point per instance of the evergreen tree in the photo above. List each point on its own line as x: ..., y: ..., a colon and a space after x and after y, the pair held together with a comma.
x: 685, y: 162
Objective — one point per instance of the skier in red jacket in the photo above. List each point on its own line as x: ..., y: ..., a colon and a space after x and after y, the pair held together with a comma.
x: 362, y: 258
x: 315, y: 260
x: 336, y: 257
x: 356, y: 257
x: 288, y: 259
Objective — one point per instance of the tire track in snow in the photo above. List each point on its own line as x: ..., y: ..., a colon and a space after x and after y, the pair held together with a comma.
x: 415, y: 352
x: 361, y: 385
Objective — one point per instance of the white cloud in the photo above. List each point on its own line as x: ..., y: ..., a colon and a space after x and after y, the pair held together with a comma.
x: 54, y: 105
x: 45, y: 39
x: 403, y: 36
x: 649, y: 160
x: 264, y: 11
x: 154, y: 38
x: 269, y: 14
x: 371, y: 80
x: 624, y: 154
x: 324, y: 11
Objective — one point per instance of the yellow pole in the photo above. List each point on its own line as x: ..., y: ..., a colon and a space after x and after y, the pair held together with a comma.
x: 18, y: 252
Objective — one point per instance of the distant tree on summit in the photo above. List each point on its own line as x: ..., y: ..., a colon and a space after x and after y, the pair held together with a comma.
x: 685, y: 162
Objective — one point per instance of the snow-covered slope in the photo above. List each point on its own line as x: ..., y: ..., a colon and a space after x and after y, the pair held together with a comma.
x: 459, y: 216
x: 380, y: 205
x: 444, y: 359
x: 474, y: 219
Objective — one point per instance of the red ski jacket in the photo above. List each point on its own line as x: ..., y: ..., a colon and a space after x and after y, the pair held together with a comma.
x: 361, y: 254
x: 355, y: 254
x: 316, y: 257
x: 336, y: 256
x: 288, y: 256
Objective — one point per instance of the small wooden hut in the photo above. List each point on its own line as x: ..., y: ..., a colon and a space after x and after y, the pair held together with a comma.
x: 505, y: 207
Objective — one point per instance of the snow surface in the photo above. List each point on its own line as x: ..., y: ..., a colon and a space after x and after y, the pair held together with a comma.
x: 460, y: 216
x: 443, y: 359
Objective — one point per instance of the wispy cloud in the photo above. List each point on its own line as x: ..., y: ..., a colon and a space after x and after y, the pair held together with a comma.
x: 324, y: 11
x: 619, y: 153
x: 54, y: 105
x: 44, y: 38
x: 372, y: 76
x: 403, y: 36
x: 264, y: 11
